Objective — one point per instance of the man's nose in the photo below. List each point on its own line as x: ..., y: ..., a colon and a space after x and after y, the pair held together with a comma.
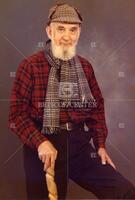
x: 66, y: 35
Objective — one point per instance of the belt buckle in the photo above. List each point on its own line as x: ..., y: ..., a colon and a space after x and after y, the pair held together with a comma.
x: 68, y: 128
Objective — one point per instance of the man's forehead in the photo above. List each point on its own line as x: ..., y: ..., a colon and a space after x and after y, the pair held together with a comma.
x: 65, y: 25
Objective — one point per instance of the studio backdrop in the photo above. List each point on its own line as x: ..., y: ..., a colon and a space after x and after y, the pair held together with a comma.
x: 108, y: 42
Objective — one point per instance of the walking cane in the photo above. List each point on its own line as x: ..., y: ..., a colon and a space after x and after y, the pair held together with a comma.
x: 51, y: 185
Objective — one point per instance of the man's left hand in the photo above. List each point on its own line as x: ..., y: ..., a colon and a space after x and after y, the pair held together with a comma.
x: 105, y: 158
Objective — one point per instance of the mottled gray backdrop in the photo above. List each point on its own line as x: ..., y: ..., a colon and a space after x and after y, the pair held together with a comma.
x: 108, y: 42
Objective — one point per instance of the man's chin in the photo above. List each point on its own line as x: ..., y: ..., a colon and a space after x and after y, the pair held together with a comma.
x: 65, y: 47
x: 63, y: 52
x: 66, y: 55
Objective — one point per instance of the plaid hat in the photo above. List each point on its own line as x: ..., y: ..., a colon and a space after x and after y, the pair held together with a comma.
x: 64, y: 13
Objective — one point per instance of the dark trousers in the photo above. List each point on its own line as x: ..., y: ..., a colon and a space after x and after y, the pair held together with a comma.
x: 76, y: 160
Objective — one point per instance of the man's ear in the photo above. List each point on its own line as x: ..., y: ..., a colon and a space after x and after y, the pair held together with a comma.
x: 79, y: 32
x: 49, y: 32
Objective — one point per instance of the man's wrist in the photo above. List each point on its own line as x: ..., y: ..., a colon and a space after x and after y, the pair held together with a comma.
x: 40, y: 142
x: 99, y: 146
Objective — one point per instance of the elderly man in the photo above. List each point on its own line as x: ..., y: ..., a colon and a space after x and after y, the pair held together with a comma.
x: 57, y: 109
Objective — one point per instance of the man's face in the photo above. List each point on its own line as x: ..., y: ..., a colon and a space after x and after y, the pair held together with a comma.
x: 64, y: 38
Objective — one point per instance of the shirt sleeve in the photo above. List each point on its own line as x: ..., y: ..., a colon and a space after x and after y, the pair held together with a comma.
x: 20, y: 121
x: 97, y: 122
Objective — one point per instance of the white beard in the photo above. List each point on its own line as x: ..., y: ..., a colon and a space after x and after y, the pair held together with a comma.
x: 63, y: 52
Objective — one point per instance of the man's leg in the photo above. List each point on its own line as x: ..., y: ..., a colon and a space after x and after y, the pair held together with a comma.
x: 85, y: 168
x: 59, y: 140
x: 35, y: 176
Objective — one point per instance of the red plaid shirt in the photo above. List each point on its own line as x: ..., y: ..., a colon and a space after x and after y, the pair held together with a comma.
x: 28, y: 97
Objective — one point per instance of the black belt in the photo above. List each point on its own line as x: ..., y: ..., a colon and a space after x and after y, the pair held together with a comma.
x: 70, y: 126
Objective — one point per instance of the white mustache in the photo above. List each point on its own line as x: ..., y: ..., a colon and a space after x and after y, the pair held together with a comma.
x: 64, y: 43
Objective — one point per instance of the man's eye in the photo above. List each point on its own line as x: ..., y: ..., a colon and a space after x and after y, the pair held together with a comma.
x: 73, y: 30
x: 60, y: 29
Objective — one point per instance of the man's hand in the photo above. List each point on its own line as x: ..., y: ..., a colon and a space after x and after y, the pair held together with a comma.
x: 105, y: 157
x: 47, y: 153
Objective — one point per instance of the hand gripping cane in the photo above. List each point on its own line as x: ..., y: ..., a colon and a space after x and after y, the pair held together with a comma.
x: 51, y: 185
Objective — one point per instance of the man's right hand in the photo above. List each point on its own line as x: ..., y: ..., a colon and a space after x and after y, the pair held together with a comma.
x: 47, y: 153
